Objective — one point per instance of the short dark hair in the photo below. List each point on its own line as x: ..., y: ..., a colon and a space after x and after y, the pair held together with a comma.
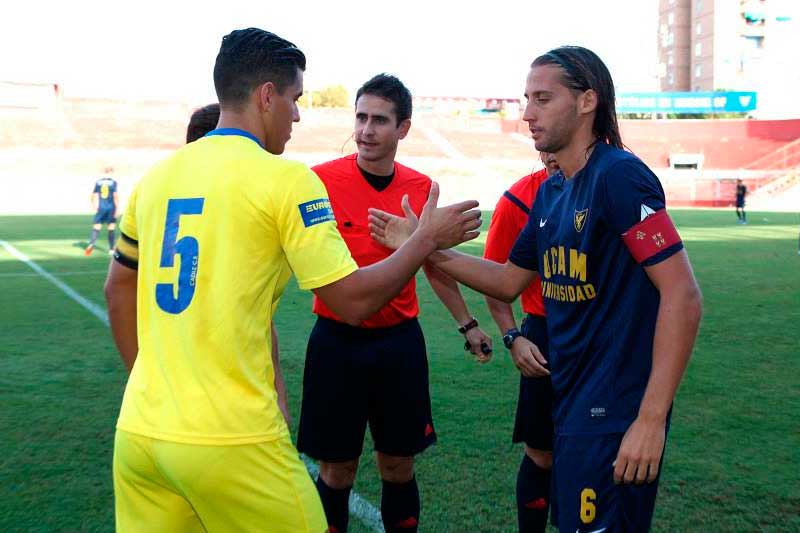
x: 584, y: 70
x: 390, y: 88
x: 248, y: 58
x: 202, y: 121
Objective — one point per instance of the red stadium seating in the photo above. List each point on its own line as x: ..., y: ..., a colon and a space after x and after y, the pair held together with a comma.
x: 762, y: 152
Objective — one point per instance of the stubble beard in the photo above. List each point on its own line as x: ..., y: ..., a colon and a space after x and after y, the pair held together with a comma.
x: 561, y: 134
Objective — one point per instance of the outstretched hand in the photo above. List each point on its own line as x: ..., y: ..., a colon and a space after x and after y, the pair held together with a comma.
x: 446, y: 226
x: 528, y: 358
x: 391, y: 230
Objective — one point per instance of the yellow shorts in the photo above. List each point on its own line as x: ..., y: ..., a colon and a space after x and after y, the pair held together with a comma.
x: 168, y: 486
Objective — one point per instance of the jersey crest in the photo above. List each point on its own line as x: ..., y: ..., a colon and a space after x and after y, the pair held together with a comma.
x: 580, y: 219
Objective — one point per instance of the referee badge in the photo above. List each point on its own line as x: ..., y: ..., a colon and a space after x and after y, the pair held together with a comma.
x: 580, y: 219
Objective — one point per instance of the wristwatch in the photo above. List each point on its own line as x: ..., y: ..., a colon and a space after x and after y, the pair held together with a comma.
x: 508, y: 338
x: 473, y: 323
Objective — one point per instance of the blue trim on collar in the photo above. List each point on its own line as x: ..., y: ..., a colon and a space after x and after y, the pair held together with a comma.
x: 558, y: 179
x: 234, y: 131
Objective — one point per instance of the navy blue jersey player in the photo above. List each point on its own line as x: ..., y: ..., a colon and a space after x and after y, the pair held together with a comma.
x: 741, y: 192
x: 622, y: 303
x: 105, y: 203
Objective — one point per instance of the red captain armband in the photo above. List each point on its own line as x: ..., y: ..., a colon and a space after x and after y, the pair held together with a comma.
x: 651, y: 236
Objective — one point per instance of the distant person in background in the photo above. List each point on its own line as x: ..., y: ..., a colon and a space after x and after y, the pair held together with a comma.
x: 202, y: 121
x: 105, y: 203
x: 528, y: 347
x: 741, y: 192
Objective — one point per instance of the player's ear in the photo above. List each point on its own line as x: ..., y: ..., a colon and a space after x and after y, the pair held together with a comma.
x: 265, y: 94
x: 587, y: 102
x: 404, y: 126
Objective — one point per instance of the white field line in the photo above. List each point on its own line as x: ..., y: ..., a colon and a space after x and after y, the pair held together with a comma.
x: 443, y: 144
x: 95, y: 309
x: 60, y: 274
x: 359, y: 507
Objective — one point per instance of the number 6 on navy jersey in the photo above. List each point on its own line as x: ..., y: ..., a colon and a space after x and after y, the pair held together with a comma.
x: 189, y: 250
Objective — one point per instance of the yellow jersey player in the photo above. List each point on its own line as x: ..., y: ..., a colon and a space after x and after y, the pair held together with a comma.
x: 209, y: 240
x: 202, y: 121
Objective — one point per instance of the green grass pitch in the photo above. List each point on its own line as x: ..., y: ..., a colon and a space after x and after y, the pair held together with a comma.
x: 732, y: 455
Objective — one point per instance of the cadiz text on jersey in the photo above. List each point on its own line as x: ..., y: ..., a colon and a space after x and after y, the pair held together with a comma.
x: 558, y: 261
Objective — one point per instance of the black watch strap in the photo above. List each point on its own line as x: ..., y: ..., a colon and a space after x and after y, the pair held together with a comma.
x: 508, y: 338
x: 473, y: 323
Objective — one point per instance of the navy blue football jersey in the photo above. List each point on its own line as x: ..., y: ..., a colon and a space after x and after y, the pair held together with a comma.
x: 588, y: 239
x: 105, y: 189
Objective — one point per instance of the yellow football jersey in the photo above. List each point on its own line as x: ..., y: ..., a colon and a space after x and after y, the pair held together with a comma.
x: 217, y: 229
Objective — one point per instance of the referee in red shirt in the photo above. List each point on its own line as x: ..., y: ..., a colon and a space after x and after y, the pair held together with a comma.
x: 533, y: 424
x: 376, y: 372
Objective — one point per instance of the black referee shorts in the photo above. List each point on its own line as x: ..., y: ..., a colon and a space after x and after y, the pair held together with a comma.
x: 534, y: 421
x: 354, y: 376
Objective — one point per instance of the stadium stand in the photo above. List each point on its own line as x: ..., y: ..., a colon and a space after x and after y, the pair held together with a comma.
x: 764, y: 153
x: 40, y: 127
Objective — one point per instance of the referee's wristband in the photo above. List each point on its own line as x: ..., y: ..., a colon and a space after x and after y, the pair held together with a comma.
x: 473, y: 323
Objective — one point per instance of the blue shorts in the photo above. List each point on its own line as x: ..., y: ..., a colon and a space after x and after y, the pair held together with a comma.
x: 588, y: 499
x: 533, y: 424
x: 104, y: 215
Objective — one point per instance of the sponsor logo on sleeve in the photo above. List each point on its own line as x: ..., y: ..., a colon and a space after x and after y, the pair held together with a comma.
x: 316, y: 212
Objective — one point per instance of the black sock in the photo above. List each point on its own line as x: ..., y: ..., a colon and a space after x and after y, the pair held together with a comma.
x: 111, y: 239
x: 335, y: 503
x: 93, y: 238
x: 533, y: 496
x: 400, y: 506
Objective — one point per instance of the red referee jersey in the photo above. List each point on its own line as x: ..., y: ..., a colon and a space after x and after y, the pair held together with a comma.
x: 509, y: 217
x: 351, y: 195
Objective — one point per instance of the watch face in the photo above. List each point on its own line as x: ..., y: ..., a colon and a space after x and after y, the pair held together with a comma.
x: 508, y: 338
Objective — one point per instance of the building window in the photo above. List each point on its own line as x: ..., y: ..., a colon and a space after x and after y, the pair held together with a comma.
x: 698, y: 71
x: 699, y: 29
x: 671, y: 78
x: 698, y: 6
x: 670, y: 58
x: 671, y: 18
x: 698, y: 49
x: 670, y: 39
